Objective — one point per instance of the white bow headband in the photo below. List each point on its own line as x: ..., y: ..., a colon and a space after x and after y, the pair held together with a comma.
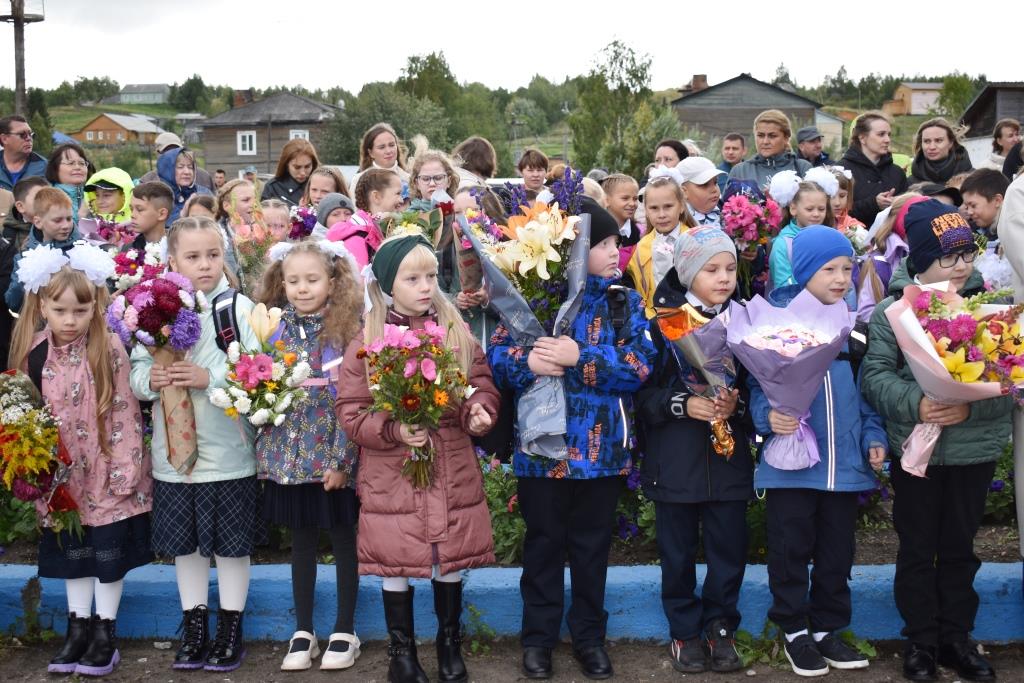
x: 279, y: 251
x: 666, y: 172
x: 38, y: 265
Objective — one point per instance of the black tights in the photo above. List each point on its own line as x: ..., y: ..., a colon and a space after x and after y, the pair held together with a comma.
x: 304, y: 547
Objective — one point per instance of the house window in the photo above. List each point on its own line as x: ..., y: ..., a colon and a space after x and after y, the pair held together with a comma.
x: 246, y: 142
x: 300, y: 134
x: 120, y: 136
x: 89, y: 135
x: 99, y: 135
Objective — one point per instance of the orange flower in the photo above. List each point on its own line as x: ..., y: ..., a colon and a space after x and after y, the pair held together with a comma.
x: 440, y: 398
x: 410, y: 402
x: 290, y: 358
x: 279, y: 345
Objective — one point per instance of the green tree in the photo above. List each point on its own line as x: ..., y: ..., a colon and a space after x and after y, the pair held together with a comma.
x: 429, y: 78
x: 94, y: 89
x: 190, y: 96
x: 957, y: 93
x: 378, y: 102
x: 61, y: 96
x: 43, y: 142
x: 617, y: 84
x: 650, y: 124
x: 782, y: 76
x: 527, y: 116
x: 37, y: 105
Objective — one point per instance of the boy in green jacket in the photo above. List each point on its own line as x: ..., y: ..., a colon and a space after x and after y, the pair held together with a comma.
x: 937, y: 516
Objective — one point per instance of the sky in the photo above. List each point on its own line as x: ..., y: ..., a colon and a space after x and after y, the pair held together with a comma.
x: 259, y: 43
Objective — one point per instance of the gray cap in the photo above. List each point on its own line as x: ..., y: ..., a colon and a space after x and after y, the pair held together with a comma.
x: 807, y: 134
x: 329, y: 203
x: 249, y: 169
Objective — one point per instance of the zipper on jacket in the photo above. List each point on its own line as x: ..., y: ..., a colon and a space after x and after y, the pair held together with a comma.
x: 625, y: 425
x: 830, y: 481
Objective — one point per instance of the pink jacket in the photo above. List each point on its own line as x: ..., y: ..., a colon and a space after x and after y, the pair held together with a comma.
x: 359, y: 234
x: 107, y: 488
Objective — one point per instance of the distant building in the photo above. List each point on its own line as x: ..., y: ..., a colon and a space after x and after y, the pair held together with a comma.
x: 118, y: 129
x: 191, y: 127
x: 732, y: 105
x: 996, y: 101
x: 913, y: 99
x: 254, y: 133
x: 145, y: 93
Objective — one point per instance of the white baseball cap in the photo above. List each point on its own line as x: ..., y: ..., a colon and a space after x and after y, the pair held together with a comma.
x: 697, y: 170
x: 165, y: 140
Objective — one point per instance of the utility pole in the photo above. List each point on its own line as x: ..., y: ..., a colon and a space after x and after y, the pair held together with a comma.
x: 19, y: 17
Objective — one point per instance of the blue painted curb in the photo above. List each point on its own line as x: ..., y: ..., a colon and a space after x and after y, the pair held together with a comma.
x: 150, y: 606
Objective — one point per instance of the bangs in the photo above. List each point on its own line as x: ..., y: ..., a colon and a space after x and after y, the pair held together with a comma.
x: 68, y: 277
x: 420, y: 258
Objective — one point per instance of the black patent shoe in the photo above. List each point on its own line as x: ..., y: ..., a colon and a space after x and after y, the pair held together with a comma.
x: 228, y: 649
x: 195, y: 628
x: 594, y: 662
x: 919, y: 663
x: 76, y: 642
x: 102, y: 655
x: 537, y: 662
x: 964, y: 658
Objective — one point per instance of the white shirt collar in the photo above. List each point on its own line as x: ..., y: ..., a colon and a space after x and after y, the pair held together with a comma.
x: 692, y: 299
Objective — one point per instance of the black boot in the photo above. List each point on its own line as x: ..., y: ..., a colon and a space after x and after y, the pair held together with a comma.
x: 102, y: 655
x: 451, y: 668
x: 403, y: 665
x: 76, y: 642
x: 228, y: 649
x: 195, y: 627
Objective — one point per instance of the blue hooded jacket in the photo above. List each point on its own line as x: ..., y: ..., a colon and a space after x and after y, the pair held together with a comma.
x: 845, y: 425
x: 14, y: 297
x: 598, y: 389
x: 165, y: 169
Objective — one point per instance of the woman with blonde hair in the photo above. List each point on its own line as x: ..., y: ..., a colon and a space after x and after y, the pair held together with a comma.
x: 772, y: 132
x: 938, y: 153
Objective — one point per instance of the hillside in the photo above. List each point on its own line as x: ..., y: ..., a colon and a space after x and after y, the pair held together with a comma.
x: 70, y: 119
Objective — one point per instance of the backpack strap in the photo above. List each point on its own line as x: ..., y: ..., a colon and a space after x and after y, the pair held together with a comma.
x: 36, y: 361
x: 225, y: 322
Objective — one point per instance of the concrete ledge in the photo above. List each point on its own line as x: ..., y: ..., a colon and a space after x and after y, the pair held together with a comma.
x: 150, y: 606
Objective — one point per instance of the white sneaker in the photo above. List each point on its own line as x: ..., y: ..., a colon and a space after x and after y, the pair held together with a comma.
x: 340, y: 660
x: 302, y: 659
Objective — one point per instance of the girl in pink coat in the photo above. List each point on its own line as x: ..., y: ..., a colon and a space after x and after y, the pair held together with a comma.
x: 61, y: 341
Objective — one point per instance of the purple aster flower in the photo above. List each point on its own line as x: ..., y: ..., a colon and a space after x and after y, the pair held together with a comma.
x: 633, y: 480
x: 974, y: 354
x: 996, y: 486
x: 145, y: 337
x: 142, y: 299
x: 186, y: 330
x: 179, y: 280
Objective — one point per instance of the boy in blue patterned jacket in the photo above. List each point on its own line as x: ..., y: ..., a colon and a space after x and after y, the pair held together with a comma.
x: 569, y: 505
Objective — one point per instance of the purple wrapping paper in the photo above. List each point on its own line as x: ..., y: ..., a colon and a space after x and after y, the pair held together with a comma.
x: 790, y: 383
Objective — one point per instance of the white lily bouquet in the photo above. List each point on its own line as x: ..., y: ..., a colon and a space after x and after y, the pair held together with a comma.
x: 266, y: 383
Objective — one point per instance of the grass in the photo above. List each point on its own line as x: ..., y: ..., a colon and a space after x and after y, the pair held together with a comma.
x: 72, y: 118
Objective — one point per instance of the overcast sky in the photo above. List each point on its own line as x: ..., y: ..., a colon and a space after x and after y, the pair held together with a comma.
x: 325, y: 43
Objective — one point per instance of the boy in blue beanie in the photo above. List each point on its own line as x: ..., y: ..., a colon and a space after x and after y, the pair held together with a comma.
x: 812, y: 512
x: 937, y: 516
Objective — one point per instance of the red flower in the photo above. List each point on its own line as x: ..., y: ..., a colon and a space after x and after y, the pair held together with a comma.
x: 168, y: 304
x: 151, y: 320
x: 411, y: 403
x: 62, y: 500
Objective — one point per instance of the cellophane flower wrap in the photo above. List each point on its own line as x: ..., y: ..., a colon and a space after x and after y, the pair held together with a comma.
x: 266, y: 383
x: 416, y: 378
x: 252, y: 240
x: 535, y: 282
x: 34, y: 464
x: 162, y: 314
x: 101, y: 231
x: 132, y: 266
x: 959, y: 350
x: 711, y: 367
x: 488, y: 233
x: 788, y: 351
x: 303, y: 220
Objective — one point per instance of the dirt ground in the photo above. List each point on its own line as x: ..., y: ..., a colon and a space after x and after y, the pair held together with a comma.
x: 632, y: 661
x: 996, y: 543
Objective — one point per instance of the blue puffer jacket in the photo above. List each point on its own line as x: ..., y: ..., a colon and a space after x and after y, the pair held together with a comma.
x: 846, y: 427
x: 599, y: 389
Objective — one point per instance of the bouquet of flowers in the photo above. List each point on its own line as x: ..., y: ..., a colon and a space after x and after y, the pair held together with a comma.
x: 133, y: 266
x: 253, y: 239
x: 413, y: 222
x: 789, y: 350
x: 535, y: 281
x: 750, y: 222
x: 415, y: 376
x: 488, y: 233
x: 710, y: 365
x: 162, y: 314
x: 102, y: 231
x: 34, y: 464
x: 303, y: 221
x: 266, y: 383
x: 960, y: 350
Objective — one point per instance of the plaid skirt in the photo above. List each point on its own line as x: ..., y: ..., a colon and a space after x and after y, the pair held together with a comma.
x: 107, y: 552
x: 217, y: 518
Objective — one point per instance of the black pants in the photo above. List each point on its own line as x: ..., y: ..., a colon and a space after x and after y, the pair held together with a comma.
x: 806, y: 525
x: 936, y: 518
x: 724, y: 526
x: 566, y: 517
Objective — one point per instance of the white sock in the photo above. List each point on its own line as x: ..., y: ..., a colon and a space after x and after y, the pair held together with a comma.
x: 451, y: 577
x: 193, y: 572
x: 80, y: 595
x: 790, y: 637
x: 232, y: 582
x: 395, y: 584
x: 108, y: 598
x: 819, y: 636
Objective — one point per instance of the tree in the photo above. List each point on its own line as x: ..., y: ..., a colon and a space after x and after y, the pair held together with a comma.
x: 378, y: 102
x: 37, y: 105
x: 617, y: 84
x: 94, y: 89
x: 61, y: 96
x: 650, y: 124
x: 429, y: 78
x: 782, y: 76
x: 957, y: 93
x: 43, y: 142
x: 191, y: 95
x: 526, y: 115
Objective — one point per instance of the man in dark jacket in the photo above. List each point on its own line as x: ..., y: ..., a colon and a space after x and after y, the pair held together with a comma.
x: 808, y: 141
x: 18, y: 160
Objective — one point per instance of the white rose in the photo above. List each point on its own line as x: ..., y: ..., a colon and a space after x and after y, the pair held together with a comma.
x: 277, y: 371
x: 260, y: 417
x: 234, y: 352
x: 269, y: 397
x: 243, y: 405
x: 220, y: 398
x: 279, y: 420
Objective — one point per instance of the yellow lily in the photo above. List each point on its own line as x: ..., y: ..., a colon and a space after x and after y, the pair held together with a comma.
x: 535, y: 250
x: 264, y: 322
x: 503, y: 256
x: 960, y: 369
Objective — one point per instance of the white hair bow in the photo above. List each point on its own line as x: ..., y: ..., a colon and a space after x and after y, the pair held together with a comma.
x: 333, y: 249
x: 38, y: 265
x: 666, y: 172
x: 783, y: 187
x: 845, y: 172
x: 368, y: 277
x: 823, y: 178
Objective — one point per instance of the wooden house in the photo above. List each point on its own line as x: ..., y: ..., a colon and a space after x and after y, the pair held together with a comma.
x: 996, y: 101
x: 118, y: 129
x: 254, y: 134
x: 144, y: 93
x: 913, y: 99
